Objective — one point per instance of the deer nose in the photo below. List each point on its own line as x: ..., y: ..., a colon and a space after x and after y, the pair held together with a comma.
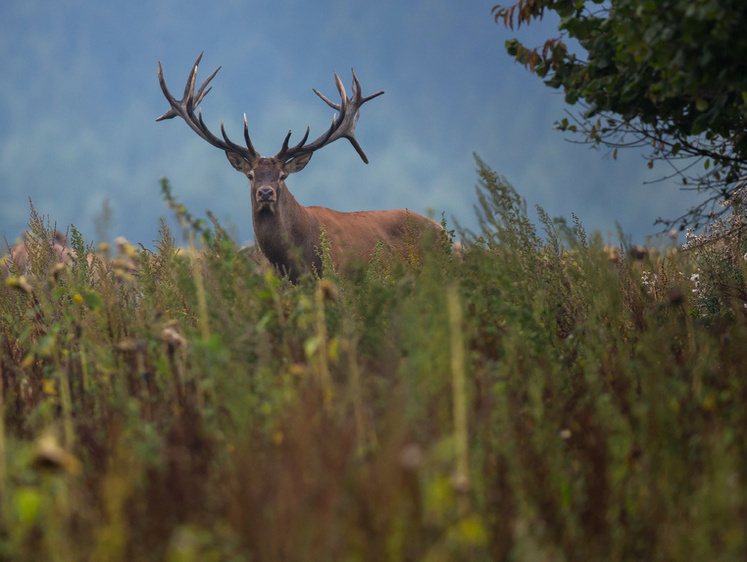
x: 265, y: 194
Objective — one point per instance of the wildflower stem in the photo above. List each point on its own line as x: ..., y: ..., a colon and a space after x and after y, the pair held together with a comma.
x: 321, y: 334
x: 461, y: 473
x: 3, y: 470
x: 67, y: 410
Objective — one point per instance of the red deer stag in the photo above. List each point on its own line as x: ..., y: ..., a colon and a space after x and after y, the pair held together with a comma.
x: 288, y: 233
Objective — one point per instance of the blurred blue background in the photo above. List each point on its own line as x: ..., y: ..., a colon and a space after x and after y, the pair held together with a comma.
x: 79, y: 97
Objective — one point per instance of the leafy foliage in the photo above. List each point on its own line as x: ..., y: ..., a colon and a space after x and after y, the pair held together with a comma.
x: 524, y: 398
x: 668, y: 76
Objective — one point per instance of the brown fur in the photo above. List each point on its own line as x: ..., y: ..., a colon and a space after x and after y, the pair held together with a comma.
x: 56, y: 252
x: 289, y: 233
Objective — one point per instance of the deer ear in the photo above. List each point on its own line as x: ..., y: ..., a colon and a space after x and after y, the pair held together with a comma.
x: 297, y: 163
x: 238, y: 162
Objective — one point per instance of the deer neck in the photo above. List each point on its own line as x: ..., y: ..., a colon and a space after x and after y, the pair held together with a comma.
x: 288, y: 236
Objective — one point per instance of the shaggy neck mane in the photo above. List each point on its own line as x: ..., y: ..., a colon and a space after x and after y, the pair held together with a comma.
x: 287, y: 236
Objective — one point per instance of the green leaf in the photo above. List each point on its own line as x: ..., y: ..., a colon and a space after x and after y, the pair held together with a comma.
x: 92, y: 300
x: 665, y: 70
x: 311, y: 345
x: 512, y: 46
x: 27, y: 503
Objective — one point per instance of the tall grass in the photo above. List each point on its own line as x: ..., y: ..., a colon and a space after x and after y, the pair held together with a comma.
x: 526, y: 399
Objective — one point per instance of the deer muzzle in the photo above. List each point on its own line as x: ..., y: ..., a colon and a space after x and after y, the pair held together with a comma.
x: 265, y: 195
x: 265, y: 199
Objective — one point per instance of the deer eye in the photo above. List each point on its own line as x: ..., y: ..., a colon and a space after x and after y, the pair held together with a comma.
x: 283, y: 175
x: 250, y: 175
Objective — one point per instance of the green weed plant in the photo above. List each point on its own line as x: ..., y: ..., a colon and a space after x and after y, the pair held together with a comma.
x: 522, y: 398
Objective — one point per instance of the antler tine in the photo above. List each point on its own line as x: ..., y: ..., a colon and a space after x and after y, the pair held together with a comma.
x: 303, y: 140
x: 200, y: 93
x: 343, y: 124
x: 341, y: 90
x: 356, y: 87
x: 236, y: 148
x: 185, y: 108
x: 358, y: 91
x: 189, y: 88
x: 287, y: 153
x: 171, y: 113
x: 284, y: 148
x: 247, y: 139
x: 334, y: 106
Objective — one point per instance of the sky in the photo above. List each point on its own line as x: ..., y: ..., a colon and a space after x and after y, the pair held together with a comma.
x: 79, y: 95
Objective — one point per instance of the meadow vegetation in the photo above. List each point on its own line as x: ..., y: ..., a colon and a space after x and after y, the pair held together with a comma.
x: 527, y: 399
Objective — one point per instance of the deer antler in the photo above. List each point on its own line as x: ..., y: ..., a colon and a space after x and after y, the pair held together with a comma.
x: 343, y: 124
x: 185, y: 108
